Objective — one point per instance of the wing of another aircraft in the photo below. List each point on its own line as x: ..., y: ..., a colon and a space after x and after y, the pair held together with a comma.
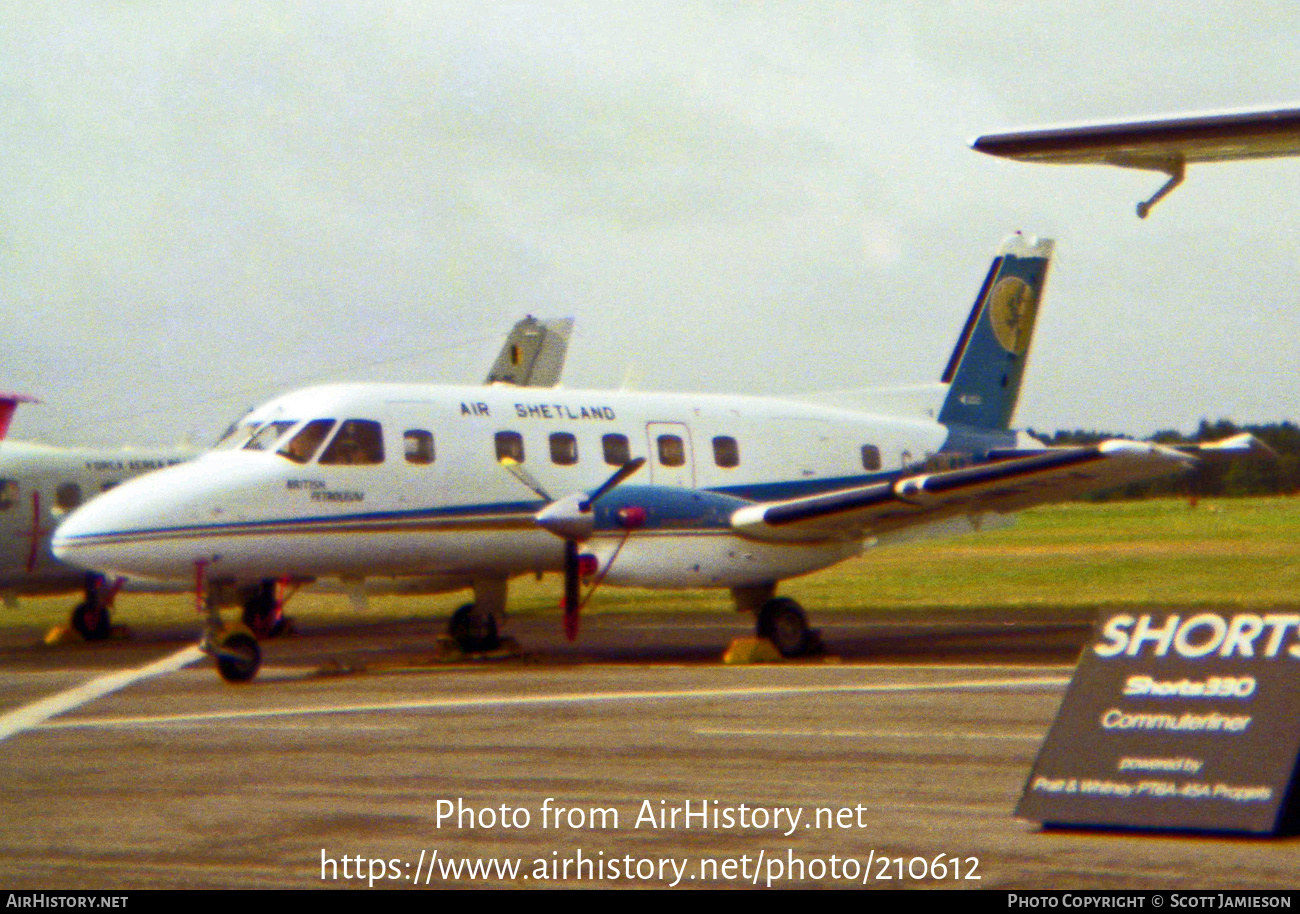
x: 1010, y: 484
x: 1166, y: 145
x: 533, y: 354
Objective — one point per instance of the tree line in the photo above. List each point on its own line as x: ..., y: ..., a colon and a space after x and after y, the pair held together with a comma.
x: 1213, y: 477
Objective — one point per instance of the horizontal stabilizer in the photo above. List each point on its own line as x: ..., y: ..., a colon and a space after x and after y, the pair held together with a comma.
x: 1242, y: 445
x: 1012, y: 484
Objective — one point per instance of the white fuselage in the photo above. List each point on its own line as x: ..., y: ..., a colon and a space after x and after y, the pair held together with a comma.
x: 438, y: 502
x: 39, y: 486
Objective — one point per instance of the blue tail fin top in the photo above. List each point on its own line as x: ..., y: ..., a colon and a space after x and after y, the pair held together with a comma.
x: 988, y: 363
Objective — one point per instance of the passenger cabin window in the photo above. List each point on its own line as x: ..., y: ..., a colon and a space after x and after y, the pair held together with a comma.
x: 359, y: 442
x: 564, y: 449
x: 8, y: 493
x: 418, y: 445
x: 617, y: 451
x: 269, y: 434
x: 510, y: 444
x: 672, y: 453
x: 870, y: 457
x: 303, y: 445
x: 67, y: 496
x: 726, y: 453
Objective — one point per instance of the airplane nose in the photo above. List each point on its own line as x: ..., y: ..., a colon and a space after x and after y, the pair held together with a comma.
x: 125, y: 530
x: 86, y: 538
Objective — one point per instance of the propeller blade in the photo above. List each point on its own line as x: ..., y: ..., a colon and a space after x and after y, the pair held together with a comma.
x: 516, y: 470
x: 571, y: 594
x: 620, y: 474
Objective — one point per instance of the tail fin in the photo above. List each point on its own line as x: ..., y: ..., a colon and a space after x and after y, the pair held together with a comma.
x: 988, y: 363
x: 533, y: 355
x: 8, y: 403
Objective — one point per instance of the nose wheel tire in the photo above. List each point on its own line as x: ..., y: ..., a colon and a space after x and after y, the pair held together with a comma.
x: 91, y: 622
x: 781, y: 621
x: 238, y: 656
x: 474, y: 632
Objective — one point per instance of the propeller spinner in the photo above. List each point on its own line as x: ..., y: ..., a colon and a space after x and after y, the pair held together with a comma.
x: 572, y: 519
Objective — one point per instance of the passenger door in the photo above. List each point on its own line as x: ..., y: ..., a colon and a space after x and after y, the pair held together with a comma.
x: 672, y: 459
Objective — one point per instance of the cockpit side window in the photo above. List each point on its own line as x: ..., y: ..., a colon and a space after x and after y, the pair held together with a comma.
x: 303, y: 445
x: 358, y: 442
x: 269, y: 434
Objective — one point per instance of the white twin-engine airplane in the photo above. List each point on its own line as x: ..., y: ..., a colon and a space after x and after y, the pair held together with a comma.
x: 475, y: 485
x: 40, y: 484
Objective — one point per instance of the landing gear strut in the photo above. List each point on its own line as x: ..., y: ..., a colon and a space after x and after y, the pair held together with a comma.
x: 474, y: 626
x: 263, y: 613
x: 234, y: 648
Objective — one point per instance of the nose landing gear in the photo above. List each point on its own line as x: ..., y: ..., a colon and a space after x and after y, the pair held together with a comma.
x: 236, y: 653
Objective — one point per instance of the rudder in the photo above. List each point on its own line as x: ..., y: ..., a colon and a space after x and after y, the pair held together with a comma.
x: 988, y: 362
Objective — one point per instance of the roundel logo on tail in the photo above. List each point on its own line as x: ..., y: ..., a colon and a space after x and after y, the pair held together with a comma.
x: 1012, y: 307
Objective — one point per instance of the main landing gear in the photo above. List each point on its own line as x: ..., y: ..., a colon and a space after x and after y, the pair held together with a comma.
x: 91, y: 618
x: 264, y: 611
x: 474, y: 626
x: 778, y: 619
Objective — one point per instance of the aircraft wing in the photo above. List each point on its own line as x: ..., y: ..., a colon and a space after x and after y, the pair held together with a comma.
x: 1000, y: 487
x: 1160, y: 144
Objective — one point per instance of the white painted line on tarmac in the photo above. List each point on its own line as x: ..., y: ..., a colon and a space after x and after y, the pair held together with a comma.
x: 868, y: 734
x: 564, y: 698
x: 38, y: 712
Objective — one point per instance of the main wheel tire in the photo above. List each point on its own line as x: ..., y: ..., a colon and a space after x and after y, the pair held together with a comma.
x: 91, y: 622
x: 238, y: 656
x: 473, y: 632
x: 781, y: 621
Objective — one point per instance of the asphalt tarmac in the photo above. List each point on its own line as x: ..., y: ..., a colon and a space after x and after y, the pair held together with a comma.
x: 634, y: 757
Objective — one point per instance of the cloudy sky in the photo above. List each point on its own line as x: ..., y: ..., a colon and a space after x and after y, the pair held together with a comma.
x: 208, y: 204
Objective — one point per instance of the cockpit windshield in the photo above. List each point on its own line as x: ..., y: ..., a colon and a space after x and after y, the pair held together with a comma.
x: 306, y: 440
x: 268, y: 434
x: 236, y: 436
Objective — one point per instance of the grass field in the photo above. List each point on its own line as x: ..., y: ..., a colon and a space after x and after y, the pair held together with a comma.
x: 1243, y: 552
